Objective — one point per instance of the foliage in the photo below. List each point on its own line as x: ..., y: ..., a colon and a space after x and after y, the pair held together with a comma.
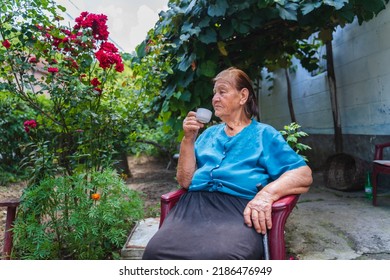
x: 74, y: 80
x: 292, y: 133
x: 81, y: 126
x: 201, y: 37
x: 149, y: 74
x: 73, y: 218
x: 13, y: 113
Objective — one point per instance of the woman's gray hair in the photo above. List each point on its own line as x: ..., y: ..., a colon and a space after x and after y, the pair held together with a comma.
x: 242, y: 80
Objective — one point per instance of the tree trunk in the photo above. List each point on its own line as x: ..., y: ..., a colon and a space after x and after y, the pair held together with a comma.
x: 338, y: 137
x: 289, y: 97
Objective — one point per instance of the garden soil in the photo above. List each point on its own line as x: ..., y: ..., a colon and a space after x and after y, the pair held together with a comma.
x: 326, y: 224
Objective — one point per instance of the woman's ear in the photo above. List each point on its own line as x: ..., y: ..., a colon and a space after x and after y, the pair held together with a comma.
x: 244, y: 96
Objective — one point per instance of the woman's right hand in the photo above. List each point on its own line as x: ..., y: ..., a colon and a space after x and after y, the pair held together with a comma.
x: 191, y: 126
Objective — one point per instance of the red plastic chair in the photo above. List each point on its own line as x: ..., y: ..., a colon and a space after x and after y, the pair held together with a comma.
x: 380, y: 166
x: 11, y: 205
x: 281, y: 209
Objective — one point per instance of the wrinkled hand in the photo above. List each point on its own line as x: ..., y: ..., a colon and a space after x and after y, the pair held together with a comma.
x: 258, y: 212
x: 191, y: 126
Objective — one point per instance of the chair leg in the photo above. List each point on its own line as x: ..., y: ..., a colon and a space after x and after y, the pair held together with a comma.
x: 8, y: 237
x: 374, y: 187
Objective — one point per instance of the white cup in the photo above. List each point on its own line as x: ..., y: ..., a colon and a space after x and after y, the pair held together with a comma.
x: 203, y: 115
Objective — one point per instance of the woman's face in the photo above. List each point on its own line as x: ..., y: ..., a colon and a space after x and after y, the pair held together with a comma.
x: 227, y: 100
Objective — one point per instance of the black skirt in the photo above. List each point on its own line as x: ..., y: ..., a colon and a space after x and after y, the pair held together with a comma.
x: 205, y: 226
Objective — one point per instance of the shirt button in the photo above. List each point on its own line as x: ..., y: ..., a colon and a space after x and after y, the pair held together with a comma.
x: 217, y: 166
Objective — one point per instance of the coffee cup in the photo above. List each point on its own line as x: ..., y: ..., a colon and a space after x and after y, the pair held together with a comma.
x: 203, y: 115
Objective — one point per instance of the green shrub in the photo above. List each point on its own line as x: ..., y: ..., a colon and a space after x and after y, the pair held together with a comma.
x: 76, y: 217
x: 291, y: 134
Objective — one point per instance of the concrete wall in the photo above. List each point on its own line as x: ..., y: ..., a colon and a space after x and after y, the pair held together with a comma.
x: 362, y: 67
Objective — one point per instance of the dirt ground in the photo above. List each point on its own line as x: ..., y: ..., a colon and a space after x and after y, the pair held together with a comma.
x: 149, y: 176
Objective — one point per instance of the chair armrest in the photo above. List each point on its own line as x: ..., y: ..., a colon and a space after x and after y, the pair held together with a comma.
x: 379, y: 150
x: 281, y: 209
x: 169, y: 200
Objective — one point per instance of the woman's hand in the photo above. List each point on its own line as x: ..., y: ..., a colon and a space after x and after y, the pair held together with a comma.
x: 258, y: 211
x: 191, y: 126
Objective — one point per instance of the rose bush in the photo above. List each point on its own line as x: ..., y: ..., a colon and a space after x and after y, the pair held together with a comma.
x: 76, y: 68
x: 69, y: 76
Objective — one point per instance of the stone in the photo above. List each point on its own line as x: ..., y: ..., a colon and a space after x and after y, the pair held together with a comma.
x: 139, y: 237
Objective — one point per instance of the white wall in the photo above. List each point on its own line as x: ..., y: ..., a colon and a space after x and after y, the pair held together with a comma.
x: 362, y: 67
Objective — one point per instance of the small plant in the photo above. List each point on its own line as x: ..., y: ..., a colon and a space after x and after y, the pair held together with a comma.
x: 292, y: 133
x: 76, y: 217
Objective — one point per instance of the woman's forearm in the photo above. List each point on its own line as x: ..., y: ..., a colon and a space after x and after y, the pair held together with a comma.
x: 186, y: 165
x: 296, y: 181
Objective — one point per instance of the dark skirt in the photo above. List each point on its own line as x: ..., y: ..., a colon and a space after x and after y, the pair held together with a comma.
x: 205, y: 226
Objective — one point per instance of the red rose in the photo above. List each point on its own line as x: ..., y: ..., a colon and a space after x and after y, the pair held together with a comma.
x: 95, y: 82
x: 96, y: 22
x: 107, y: 56
x: 33, y: 59
x: 6, y: 44
x: 29, y: 124
x: 52, y: 69
x: 119, y: 67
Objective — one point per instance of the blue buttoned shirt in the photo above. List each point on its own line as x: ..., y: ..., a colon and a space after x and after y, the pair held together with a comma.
x: 235, y: 165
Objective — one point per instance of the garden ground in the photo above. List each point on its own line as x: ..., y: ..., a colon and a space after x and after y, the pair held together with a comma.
x: 326, y: 224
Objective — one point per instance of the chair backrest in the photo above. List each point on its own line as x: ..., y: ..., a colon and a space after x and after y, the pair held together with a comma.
x: 379, y: 150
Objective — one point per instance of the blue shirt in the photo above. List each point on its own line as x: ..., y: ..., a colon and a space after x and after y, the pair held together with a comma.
x: 258, y: 154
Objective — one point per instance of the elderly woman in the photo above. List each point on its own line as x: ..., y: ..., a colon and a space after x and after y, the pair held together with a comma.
x: 224, y: 212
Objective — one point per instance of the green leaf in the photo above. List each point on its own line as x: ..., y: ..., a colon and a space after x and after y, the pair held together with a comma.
x: 222, y: 48
x: 348, y: 15
x: 210, y: 36
x: 188, y: 28
x: 218, y: 9
x: 204, y: 22
x: 186, y: 96
x: 288, y: 11
x: 185, y: 63
x: 374, y: 6
x: 62, y: 8
x: 207, y: 68
x: 184, y: 37
x: 309, y: 7
x: 264, y: 4
x: 240, y: 26
x: 226, y: 30
x: 337, y: 4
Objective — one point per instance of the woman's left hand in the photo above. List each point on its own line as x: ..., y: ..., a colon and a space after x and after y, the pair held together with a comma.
x: 258, y: 211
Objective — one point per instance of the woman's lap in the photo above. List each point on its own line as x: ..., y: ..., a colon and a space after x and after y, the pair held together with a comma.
x: 205, y: 225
